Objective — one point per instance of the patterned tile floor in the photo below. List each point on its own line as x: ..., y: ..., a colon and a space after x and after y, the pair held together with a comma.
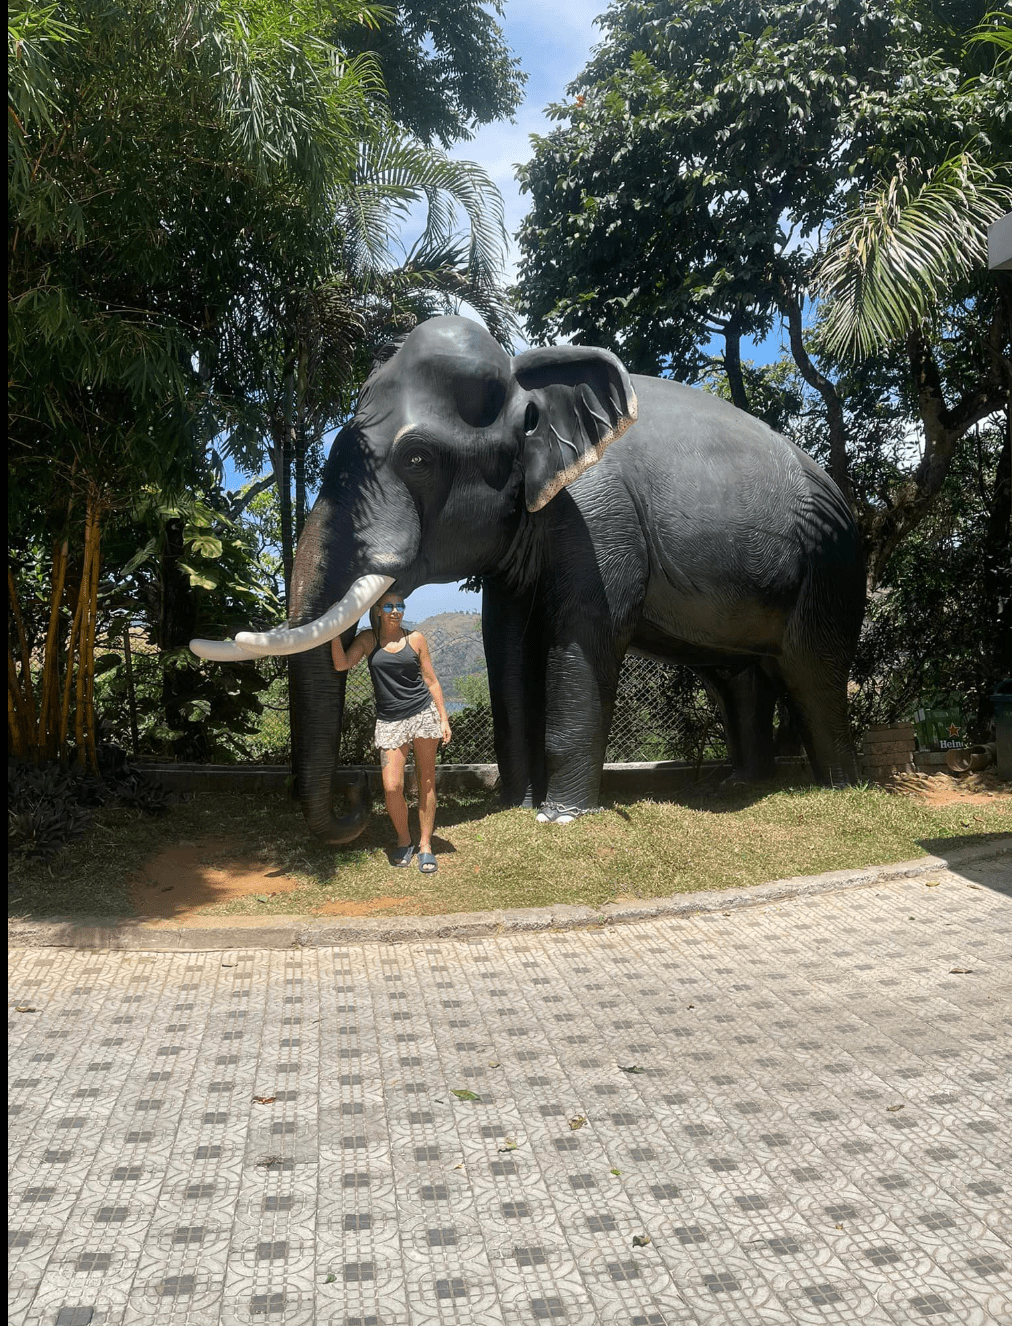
x: 784, y: 1114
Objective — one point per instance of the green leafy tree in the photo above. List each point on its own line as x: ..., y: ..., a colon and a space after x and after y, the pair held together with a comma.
x: 445, y: 64
x: 162, y: 161
x: 693, y: 185
x: 188, y: 269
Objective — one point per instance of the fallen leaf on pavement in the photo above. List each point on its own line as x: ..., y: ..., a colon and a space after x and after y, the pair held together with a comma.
x: 630, y: 1068
x: 640, y: 1240
x: 265, y: 1100
x: 463, y: 1094
x: 960, y: 971
x: 891, y: 1109
x: 25, y: 1008
x: 577, y: 1122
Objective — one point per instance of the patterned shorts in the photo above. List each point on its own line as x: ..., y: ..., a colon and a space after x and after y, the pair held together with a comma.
x: 402, y: 730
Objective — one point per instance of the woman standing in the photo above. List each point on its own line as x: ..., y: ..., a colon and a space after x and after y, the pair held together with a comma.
x: 409, y: 710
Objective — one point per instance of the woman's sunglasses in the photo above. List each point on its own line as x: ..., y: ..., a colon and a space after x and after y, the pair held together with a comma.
x: 393, y: 607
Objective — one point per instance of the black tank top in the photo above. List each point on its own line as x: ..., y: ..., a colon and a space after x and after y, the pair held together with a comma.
x: 397, y: 681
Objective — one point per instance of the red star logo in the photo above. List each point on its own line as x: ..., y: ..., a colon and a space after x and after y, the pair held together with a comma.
x: 953, y: 730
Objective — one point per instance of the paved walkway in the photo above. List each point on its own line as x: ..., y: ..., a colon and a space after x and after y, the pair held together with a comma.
x: 796, y: 1113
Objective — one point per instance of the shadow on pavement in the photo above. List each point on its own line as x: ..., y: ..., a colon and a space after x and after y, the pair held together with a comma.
x: 994, y: 872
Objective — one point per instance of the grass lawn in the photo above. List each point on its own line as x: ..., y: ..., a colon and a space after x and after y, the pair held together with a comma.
x: 489, y: 857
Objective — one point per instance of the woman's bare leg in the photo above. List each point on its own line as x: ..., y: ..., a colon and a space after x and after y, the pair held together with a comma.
x: 425, y: 772
x: 392, y: 766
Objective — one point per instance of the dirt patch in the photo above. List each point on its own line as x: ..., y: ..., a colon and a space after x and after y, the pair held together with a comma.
x: 338, y: 907
x: 184, y: 879
x: 944, y: 789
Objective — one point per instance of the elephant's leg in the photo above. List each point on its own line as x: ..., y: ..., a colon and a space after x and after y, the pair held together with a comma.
x: 515, y: 660
x: 746, y: 700
x: 817, y: 690
x: 582, y: 677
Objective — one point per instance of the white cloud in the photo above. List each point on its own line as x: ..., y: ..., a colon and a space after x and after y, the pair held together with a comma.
x: 553, y: 42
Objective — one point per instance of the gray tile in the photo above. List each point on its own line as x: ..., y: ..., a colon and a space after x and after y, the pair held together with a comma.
x: 757, y: 1152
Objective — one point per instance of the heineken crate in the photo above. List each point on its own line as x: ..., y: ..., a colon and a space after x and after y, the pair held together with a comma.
x: 941, y: 729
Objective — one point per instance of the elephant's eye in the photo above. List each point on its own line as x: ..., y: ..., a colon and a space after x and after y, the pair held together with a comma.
x: 416, y: 460
x: 531, y: 418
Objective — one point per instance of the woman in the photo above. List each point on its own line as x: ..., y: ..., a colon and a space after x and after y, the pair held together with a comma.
x: 409, y: 710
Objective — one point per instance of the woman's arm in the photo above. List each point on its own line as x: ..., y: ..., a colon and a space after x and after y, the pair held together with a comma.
x: 418, y: 644
x: 344, y: 659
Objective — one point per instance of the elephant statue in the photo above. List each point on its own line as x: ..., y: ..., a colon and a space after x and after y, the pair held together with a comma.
x: 702, y: 537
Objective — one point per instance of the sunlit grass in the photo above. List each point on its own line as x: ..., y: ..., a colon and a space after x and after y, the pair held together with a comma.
x: 492, y: 858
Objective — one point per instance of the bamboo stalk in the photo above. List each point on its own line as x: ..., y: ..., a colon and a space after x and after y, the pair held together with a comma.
x: 48, y: 734
x: 27, y: 691
x: 88, y: 660
x: 128, y: 660
x: 17, y: 724
x: 68, y: 682
x: 84, y: 605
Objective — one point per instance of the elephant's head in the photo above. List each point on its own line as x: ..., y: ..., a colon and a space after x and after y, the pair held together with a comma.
x: 451, y: 442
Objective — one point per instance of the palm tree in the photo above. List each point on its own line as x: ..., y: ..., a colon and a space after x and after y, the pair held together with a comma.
x: 325, y: 331
x: 893, y: 260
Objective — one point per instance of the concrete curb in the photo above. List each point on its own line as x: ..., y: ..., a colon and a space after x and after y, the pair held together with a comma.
x: 222, y: 933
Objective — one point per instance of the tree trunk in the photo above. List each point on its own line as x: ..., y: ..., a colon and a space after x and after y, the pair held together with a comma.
x: 732, y: 367
x: 996, y: 577
x: 839, y: 465
x: 128, y: 665
x: 300, y: 433
x: 176, y: 628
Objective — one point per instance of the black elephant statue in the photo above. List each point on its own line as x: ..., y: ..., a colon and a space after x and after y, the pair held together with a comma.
x: 702, y: 538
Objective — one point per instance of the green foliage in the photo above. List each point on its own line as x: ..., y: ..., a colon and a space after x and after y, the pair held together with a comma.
x: 173, y: 159
x: 894, y: 257
x: 357, y: 729
x: 705, y: 141
x: 446, y: 65
x: 50, y: 807
x: 473, y: 688
x: 931, y: 638
x: 722, y: 163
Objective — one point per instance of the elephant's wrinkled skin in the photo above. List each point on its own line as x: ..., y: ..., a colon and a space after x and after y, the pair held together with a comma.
x: 700, y: 536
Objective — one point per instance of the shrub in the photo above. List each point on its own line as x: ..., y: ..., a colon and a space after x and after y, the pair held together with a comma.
x: 49, y: 807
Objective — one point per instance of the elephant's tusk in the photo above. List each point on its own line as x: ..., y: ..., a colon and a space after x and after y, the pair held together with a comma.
x: 297, y: 639
x: 221, y: 651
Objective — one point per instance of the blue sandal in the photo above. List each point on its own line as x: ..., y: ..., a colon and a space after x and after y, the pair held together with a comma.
x: 427, y: 863
x: 401, y: 856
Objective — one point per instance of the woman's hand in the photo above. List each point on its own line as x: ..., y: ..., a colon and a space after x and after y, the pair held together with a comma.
x: 344, y: 660
x: 447, y: 731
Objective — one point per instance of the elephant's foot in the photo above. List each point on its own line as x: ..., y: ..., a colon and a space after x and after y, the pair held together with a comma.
x: 552, y: 813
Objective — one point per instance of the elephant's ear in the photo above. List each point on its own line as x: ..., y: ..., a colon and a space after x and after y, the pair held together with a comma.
x: 580, y: 400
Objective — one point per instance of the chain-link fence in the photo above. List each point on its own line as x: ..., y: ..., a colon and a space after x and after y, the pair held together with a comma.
x: 146, y: 699
x: 661, y: 713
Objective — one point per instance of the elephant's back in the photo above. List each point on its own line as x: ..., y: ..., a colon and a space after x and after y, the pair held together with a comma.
x: 701, y: 460
x: 735, y: 518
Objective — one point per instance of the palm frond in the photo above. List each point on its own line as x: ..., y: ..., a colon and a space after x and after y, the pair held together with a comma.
x: 894, y: 258
x: 393, y: 175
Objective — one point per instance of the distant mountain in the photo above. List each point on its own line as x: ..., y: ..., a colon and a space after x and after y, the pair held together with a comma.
x: 454, y: 640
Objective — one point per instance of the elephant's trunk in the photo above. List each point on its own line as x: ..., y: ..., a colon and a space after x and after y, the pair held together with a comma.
x: 318, y: 703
